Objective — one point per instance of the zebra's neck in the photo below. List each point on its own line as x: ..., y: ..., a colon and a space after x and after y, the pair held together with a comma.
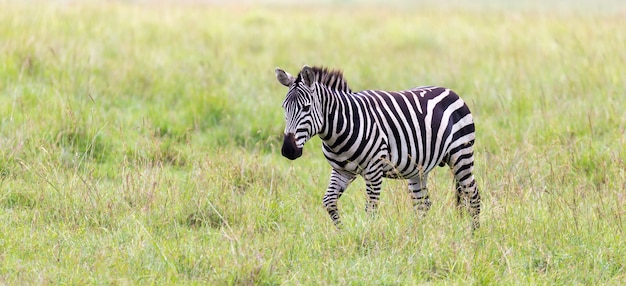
x: 343, y: 113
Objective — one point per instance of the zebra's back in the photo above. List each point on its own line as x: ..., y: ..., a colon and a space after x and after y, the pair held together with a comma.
x: 420, y: 127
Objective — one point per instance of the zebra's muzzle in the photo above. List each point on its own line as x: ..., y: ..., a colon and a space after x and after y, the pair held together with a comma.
x: 290, y: 150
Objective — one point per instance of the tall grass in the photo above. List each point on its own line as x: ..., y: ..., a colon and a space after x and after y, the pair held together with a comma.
x: 138, y: 145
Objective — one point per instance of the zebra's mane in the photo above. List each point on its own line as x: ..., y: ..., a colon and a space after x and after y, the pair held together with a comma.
x: 332, y: 79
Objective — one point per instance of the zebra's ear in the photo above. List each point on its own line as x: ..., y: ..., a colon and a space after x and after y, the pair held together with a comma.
x: 284, y: 77
x: 308, y: 76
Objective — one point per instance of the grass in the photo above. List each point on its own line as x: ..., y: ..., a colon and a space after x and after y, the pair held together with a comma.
x: 139, y: 145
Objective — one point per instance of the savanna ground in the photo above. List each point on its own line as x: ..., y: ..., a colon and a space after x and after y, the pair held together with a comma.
x: 139, y: 143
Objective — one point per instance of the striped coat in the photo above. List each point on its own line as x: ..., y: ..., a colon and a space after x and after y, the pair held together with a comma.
x: 381, y: 134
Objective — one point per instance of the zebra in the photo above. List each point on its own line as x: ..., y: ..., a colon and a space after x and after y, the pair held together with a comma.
x: 381, y: 134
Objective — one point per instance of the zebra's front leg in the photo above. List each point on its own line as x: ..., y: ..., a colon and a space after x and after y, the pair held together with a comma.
x: 339, y: 181
x: 419, y: 193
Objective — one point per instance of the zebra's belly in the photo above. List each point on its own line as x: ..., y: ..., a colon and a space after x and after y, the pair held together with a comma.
x: 408, y: 171
x: 390, y: 164
x: 389, y: 171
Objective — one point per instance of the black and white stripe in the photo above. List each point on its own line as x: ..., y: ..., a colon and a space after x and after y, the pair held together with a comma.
x: 381, y: 134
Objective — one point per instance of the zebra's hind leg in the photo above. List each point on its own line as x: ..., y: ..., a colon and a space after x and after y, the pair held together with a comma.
x: 339, y: 181
x: 468, y: 198
x: 419, y: 193
x: 467, y: 194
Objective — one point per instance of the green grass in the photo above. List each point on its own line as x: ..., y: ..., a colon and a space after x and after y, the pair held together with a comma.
x: 139, y: 144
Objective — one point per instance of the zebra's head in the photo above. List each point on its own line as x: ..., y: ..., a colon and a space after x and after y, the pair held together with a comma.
x: 302, y: 110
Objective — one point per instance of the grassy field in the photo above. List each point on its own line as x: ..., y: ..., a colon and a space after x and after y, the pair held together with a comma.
x: 139, y: 144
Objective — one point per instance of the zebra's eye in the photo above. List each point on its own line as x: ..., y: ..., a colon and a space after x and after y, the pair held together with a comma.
x: 306, y: 108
